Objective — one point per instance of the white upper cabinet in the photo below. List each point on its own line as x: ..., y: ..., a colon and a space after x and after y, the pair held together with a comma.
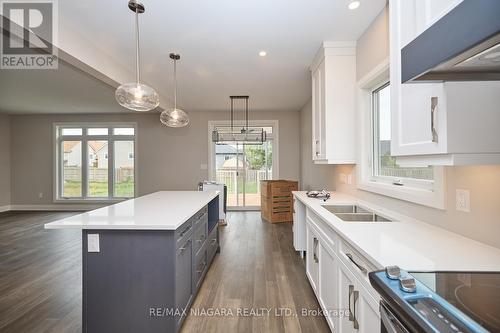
x: 333, y: 75
x: 442, y: 123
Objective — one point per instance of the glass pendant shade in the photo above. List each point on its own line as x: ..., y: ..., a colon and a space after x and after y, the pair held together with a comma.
x: 137, y: 97
x: 174, y: 118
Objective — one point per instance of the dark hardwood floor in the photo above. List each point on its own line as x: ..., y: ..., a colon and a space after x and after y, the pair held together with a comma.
x: 257, y: 269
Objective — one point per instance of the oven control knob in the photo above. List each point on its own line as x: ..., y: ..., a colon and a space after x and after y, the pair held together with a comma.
x: 393, y: 272
x: 407, y: 284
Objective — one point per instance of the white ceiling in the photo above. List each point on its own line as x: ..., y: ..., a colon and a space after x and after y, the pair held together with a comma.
x: 218, y: 41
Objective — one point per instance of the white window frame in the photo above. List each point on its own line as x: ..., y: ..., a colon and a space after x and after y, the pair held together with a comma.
x: 427, y: 193
x: 58, y: 138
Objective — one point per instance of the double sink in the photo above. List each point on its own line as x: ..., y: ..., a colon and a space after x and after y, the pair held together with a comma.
x: 355, y: 213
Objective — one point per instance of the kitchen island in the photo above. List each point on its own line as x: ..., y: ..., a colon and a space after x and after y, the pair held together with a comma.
x: 144, y: 259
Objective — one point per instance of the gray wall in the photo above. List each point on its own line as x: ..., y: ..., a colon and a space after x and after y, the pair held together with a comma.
x: 373, y: 45
x: 168, y: 159
x: 313, y: 176
x: 4, y: 161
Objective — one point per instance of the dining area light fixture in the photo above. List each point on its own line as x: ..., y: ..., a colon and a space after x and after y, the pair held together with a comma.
x: 137, y: 96
x: 244, y: 135
x: 174, y: 117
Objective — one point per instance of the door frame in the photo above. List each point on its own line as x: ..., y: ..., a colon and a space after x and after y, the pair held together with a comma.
x: 261, y: 123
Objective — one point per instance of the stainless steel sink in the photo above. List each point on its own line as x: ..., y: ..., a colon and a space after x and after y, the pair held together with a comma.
x: 354, y: 213
x: 345, y: 209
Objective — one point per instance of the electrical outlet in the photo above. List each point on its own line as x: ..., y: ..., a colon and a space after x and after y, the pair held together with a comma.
x: 93, y: 243
x: 463, y: 200
x: 203, y: 166
x: 349, y: 179
x: 40, y: 195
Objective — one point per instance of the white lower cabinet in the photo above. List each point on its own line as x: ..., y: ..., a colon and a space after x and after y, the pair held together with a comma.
x: 328, y: 289
x: 342, y: 292
x: 312, y: 259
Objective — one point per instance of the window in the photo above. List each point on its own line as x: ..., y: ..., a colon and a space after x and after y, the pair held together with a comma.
x: 95, y: 162
x: 385, y: 167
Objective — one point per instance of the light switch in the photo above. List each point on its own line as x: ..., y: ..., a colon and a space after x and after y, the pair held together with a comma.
x: 93, y: 243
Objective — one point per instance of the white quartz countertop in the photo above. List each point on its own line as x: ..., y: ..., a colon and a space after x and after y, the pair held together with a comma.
x: 408, y: 243
x: 165, y: 210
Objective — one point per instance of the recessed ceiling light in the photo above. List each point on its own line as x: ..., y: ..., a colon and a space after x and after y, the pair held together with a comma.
x: 354, y: 4
x: 262, y: 53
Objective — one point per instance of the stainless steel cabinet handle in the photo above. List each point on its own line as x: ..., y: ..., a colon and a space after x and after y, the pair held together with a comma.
x: 351, y: 290
x: 185, y: 231
x: 355, y: 323
x: 185, y: 247
x: 434, y: 104
x: 202, y: 265
x: 315, y: 247
x: 361, y: 268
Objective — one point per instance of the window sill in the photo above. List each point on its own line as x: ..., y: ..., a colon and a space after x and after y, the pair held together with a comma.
x: 435, y: 198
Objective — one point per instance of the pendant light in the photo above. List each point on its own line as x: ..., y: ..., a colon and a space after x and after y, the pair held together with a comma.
x: 137, y: 96
x: 223, y: 135
x: 174, y: 117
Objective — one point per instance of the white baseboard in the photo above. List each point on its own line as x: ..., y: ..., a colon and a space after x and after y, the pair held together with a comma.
x: 5, y: 208
x: 54, y: 207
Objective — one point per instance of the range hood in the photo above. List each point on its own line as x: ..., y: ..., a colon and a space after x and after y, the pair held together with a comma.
x: 464, y: 45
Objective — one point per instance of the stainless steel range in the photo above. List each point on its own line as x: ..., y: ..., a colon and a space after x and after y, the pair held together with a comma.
x: 438, y: 301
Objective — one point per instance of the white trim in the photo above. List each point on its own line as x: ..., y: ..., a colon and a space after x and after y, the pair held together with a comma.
x: 5, y: 208
x: 433, y: 198
x: 82, y: 207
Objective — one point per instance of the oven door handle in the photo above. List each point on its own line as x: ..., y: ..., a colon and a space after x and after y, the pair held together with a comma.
x: 390, y: 322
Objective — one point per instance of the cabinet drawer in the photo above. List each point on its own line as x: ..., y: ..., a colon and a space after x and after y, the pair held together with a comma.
x: 212, y: 243
x: 200, y: 217
x: 323, y: 230
x: 200, y: 267
x: 183, y: 232
x: 358, y: 264
x: 200, y: 236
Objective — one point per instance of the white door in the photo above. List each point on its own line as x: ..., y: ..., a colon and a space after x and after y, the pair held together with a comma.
x: 346, y: 293
x: 328, y: 284
x: 366, y: 311
x: 418, y: 110
x: 318, y: 113
x: 312, y: 259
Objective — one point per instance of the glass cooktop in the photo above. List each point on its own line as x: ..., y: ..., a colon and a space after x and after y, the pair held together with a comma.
x: 476, y: 294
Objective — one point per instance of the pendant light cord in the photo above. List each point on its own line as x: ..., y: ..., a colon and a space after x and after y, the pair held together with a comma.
x: 137, y: 60
x: 175, y: 84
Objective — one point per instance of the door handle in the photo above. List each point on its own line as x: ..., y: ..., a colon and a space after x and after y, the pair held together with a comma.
x: 355, y: 323
x: 351, y: 290
x: 361, y: 268
x: 184, y: 248
x: 315, y: 247
x: 434, y: 105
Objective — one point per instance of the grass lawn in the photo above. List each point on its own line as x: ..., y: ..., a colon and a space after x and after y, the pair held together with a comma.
x: 98, y: 189
x: 250, y: 187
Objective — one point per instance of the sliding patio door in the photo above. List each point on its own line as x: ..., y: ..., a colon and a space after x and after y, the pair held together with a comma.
x: 242, y: 168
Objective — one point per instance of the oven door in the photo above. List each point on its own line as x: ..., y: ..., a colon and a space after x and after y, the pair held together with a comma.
x: 389, y: 322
